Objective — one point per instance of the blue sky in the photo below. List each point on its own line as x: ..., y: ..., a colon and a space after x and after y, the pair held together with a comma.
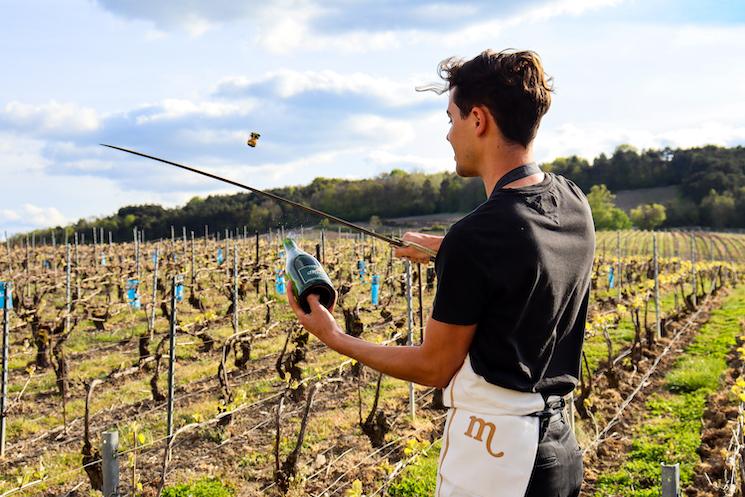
x: 330, y: 87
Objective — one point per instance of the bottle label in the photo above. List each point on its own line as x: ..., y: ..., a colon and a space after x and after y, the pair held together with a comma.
x: 308, y: 273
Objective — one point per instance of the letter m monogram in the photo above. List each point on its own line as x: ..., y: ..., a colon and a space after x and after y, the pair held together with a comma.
x: 481, y: 425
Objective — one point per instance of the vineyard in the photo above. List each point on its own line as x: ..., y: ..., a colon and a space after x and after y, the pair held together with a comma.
x: 180, y: 360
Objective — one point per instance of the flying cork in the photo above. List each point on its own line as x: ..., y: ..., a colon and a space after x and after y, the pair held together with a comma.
x: 253, y: 139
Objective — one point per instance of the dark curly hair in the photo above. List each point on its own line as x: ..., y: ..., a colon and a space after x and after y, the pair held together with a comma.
x: 511, y: 84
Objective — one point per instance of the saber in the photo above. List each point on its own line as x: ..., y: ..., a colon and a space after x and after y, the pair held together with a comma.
x: 393, y: 241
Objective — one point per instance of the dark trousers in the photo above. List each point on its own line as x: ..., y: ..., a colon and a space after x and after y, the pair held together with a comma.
x: 557, y: 471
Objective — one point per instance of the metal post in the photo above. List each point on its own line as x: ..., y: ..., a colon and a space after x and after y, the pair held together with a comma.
x: 421, y: 305
x: 155, y: 288
x: 656, y: 286
x: 68, y: 288
x: 410, y: 334
x: 172, y: 355
x: 77, y: 269
x: 110, y: 463
x: 206, y: 235
x: 693, y: 268
x: 7, y: 288
x: 671, y: 480
x: 173, y: 236
x: 95, y: 247
x: 235, y: 287
x: 137, y: 253
x: 183, y: 237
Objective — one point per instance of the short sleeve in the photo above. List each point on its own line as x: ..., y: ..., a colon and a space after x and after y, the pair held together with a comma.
x: 461, y: 282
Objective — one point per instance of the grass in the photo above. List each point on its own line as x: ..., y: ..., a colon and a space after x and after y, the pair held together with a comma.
x: 206, y: 487
x: 420, y: 478
x: 671, y: 429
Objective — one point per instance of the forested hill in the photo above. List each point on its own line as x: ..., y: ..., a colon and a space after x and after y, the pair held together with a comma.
x: 711, y: 181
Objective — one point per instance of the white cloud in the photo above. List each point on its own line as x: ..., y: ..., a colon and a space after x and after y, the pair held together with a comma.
x: 589, y: 140
x: 54, y: 117
x: 21, y: 153
x: 382, y: 132
x: 33, y: 215
x: 9, y: 215
x: 172, y: 108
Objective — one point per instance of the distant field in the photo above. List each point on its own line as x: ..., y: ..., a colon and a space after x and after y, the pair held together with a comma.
x: 628, y: 199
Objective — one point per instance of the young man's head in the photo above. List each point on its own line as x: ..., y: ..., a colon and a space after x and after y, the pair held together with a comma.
x: 501, y: 96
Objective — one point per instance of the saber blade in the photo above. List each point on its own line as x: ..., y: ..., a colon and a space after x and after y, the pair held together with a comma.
x: 392, y: 241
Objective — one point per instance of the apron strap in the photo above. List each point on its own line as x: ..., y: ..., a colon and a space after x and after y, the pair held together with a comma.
x: 519, y: 172
x: 552, y: 407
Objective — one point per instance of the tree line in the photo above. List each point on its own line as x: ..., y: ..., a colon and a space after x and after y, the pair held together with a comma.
x: 711, y: 182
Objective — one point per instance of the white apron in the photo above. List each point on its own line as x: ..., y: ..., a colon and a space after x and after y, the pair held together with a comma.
x: 490, y: 443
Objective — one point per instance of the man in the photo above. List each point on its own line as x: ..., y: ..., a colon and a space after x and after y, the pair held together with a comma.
x: 507, y: 325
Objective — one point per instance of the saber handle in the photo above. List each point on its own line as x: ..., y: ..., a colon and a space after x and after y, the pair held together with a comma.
x: 431, y: 253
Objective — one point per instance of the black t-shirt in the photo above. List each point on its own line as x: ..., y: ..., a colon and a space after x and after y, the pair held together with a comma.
x: 519, y: 267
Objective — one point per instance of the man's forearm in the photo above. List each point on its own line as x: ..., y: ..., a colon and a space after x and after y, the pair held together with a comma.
x: 403, y: 362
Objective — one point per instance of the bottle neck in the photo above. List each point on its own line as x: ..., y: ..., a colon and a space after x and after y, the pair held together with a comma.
x: 290, y: 246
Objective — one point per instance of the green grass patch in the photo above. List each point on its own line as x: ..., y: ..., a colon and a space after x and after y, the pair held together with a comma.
x: 206, y: 487
x: 671, y: 430
x: 420, y: 478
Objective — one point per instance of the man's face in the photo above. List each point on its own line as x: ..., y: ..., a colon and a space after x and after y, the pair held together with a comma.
x: 461, y: 138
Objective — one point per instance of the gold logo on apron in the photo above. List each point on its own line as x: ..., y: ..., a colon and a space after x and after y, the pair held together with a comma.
x: 482, y: 424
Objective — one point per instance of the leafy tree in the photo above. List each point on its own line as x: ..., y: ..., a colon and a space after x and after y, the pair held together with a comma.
x: 605, y: 214
x: 648, y: 216
x: 719, y: 209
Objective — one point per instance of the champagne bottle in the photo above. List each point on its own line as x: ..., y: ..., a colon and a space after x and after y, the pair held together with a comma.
x: 307, y: 276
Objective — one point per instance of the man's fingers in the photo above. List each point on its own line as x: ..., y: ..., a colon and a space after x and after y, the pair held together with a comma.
x: 314, y: 302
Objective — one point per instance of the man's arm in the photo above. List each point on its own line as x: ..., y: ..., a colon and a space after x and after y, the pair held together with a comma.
x: 433, y: 363
x: 430, y: 241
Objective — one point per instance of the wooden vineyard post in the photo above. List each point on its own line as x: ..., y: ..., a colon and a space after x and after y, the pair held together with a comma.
x: 671, y: 480
x: 6, y: 293
x: 693, y: 269
x: 155, y: 289
x: 10, y: 260
x: 658, y: 330
x: 410, y: 334
x: 28, y: 261
x: 172, y: 356
x: 323, y: 246
x: 206, y: 234
x: 173, y: 236
x: 256, y: 234
x: 110, y: 463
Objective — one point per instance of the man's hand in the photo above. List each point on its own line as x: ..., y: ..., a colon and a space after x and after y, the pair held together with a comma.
x: 320, y: 322
x: 430, y: 241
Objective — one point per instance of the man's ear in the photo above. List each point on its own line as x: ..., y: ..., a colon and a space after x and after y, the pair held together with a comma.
x: 481, y: 121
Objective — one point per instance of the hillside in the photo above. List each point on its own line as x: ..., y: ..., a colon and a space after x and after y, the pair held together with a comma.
x: 699, y: 186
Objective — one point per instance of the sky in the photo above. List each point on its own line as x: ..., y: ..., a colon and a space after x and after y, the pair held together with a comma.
x: 329, y: 85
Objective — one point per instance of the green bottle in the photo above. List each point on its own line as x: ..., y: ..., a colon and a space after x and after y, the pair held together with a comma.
x: 307, y: 277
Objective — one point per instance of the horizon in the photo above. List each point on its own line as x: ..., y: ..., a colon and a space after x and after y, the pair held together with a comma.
x: 328, y: 86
